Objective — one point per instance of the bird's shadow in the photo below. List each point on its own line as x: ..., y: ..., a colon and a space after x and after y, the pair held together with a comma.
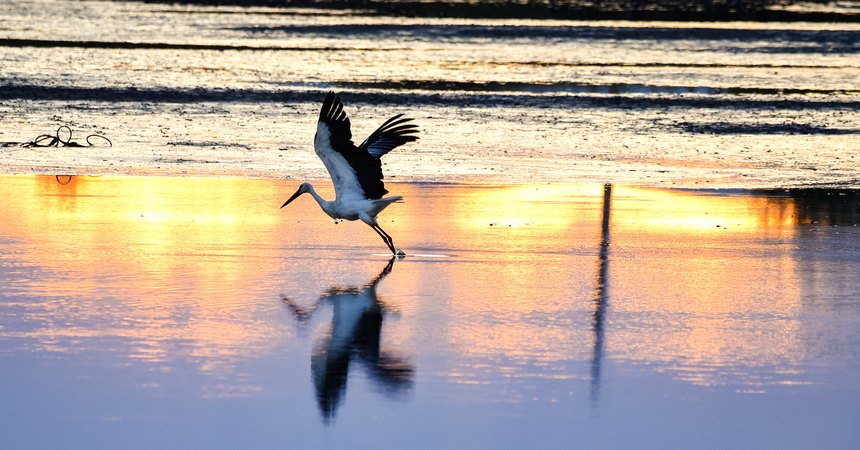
x: 353, y: 338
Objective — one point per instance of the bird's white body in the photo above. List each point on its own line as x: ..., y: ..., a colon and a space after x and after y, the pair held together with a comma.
x: 356, y: 172
x: 350, y: 208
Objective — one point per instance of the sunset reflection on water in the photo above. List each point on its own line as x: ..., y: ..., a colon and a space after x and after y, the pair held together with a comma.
x: 167, y: 265
x: 511, y: 294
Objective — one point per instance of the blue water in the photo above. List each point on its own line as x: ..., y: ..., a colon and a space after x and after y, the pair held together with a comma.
x: 224, y: 90
x: 535, y: 307
x: 192, y: 312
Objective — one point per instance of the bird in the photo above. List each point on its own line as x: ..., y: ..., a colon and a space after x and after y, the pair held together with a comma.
x: 355, y: 337
x: 356, y: 171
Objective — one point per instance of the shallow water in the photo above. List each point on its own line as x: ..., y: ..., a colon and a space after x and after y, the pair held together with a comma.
x: 192, y: 312
x: 235, y: 91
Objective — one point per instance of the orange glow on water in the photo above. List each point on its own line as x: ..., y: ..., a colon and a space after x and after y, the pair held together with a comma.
x: 697, y: 212
x: 162, y: 262
x: 179, y: 267
x: 672, y: 254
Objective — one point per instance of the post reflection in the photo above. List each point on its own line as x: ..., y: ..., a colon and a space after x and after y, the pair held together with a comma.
x: 601, y: 294
x: 354, y: 336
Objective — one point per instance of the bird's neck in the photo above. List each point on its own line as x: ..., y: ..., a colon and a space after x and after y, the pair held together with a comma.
x: 326, y: 206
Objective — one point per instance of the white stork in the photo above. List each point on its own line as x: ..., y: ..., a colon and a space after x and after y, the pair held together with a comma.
x: 354, y: 337
x: 356, y: 172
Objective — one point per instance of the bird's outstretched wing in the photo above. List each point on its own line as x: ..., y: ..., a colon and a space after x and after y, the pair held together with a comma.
x: 334, y: 117
x: 395, y: 132
x: 356, y: 172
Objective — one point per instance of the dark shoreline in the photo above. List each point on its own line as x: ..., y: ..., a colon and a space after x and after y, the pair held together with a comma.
x: 178, y: 95
x: 653, y: 10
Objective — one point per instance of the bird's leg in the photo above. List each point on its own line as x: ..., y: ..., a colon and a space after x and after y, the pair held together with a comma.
x: 385, y: 237
x: 382, y: 274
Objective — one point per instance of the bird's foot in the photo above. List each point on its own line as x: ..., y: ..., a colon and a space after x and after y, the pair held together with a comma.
x: 400, y: 253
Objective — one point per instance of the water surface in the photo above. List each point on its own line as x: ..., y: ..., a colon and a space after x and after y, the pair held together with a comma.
x: 163, y: 312
x: 236, y: 91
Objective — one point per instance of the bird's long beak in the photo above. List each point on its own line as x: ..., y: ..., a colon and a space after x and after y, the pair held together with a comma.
x: 298, y: 193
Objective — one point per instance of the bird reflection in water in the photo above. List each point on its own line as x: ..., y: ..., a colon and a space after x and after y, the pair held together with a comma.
x: 354, y: 337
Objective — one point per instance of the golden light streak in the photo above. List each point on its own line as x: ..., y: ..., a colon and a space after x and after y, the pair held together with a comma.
x: 159, y: 261
x: 169, y: 263
x: 694, y: 288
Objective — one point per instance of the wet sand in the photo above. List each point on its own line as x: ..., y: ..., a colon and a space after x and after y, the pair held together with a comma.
x: 154, y: 311
x: 663, y: 145
x: 228, y: 91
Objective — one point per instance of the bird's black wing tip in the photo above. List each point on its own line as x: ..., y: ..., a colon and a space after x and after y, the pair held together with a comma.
x: 331, y: 106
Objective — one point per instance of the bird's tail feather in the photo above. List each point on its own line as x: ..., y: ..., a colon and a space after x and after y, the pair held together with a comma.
x: 382, y: 203
x: 389, y: 200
